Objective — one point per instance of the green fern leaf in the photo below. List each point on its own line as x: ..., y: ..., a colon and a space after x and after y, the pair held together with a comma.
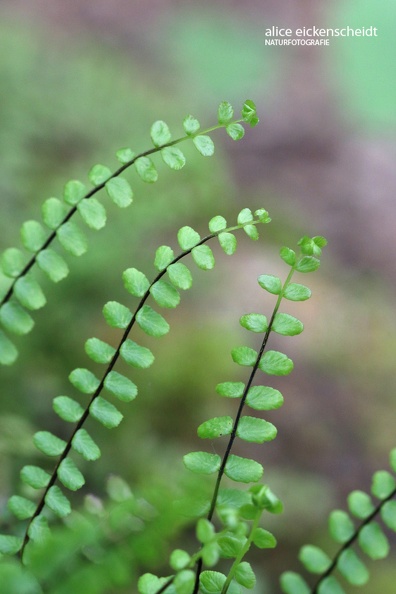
x: 244, y: 356
x: 307, y: 264
x: 263, y: 539
x: 388, y: 514
x: 230, y: 389
x: 373, y: 541
x: 99, y: 351
x: 235, y: 131
x: 217, y: 223
x: 69, y: 475
x: 256, y: 430
x: 254, y: 322
x: 245, y: 216
x: 15, y: 319
x: 245, y: 576
x: 119, y: 191
x: 33, y: 235
x: 105, y: 412
x: 243, y: 470
x: 215, y: 427
x: 352, y: 568
x: 21, y: 507
x: 53, y: 265
x: 187, y: 238
x: 383, y: 484
x: 165, y: 294
x: 225, y: 113
x: 251, y: 231
x: 48, y: 443
x: 275, y: 363
x: 35, y: 477
x: 341, y: 526
x: 10, y: 545
x: 203, y: 257
x: 296, y: 292
x: 99, y: 174
x: 72, y: 239
x: 120, y: 386
x: 8, y: 352
x: 314, y: 559
x: 360, y: 504
x: 67, y: 409
x: 228, y: 243
x: 287, y: 325
x: 293, y: 583
x: 12, y: 262
x: 212, y: 582
x: 202, y: 462
x: 84, y: 380
x: 184, y: 581
x: 84, y: 445
x: 249, y: 113
x: 163, y: 257
x: 190, y: 125
x: 173, y: 157
x: 93, y: 213
x: 57, y: 502
x: 151, y: 322
x: 180, y: 276
x: 160, y: 133
x: 73, y: 192
x: 150, y: 584
x: 204, y: 145
x: 135, y: 282
x: 330, y: 586
x: 288, y: 256
x: 116, y: 314
x: 264, y: 398
x: 270, y: 283
x: 146, y: 170
x: 136, y: 355
x: 53, y: 212
x: 38, y: 530
x: 125, y: 155
x: 29, y: 293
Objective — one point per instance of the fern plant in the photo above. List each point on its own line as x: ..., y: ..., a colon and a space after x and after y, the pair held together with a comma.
x: 102, y: 541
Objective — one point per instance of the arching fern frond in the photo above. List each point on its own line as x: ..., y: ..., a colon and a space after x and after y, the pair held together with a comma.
x: 24, y: 293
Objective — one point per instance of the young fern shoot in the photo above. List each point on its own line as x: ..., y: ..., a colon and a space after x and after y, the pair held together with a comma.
x: 166, y: 294
x: 239, y: 513
x: 24, y: 293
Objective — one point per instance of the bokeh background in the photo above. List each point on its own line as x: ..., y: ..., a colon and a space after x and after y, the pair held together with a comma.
x: 78, y: 80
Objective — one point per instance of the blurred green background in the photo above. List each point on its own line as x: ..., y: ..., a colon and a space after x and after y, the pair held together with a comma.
x: 78, y: 81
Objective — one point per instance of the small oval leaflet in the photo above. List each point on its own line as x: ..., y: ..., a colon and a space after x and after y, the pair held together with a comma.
x: 53, y: 212
x: 243, y: 470
x: 228, y: 242
x: 307, y: 264
x: 119, y: 191
x: 245, y: 576
x: 293, y: 583
x: 93, y: 213
x: 105, y: 412
x: 146, y: 170
x: 388, y: 514
x: 235, y: 131
x: 215, y: 427
x: 203, y: 257
x: 383, y: 484
x: 341, y: 526
x: 72, y: 239
x: 29, y: 293
x: 67, y: 409
x: 244, y: 356
x: 230, y: 389
x: 8, y: 352
x: 255, y: 430
x: 163, y: 257
x: 116, y: 314
x: 254, y: 322
x: 135, y: 282
x: 33, y: 235
x: 297, y: 292
x: 52, y: 264
x: 352, y: 568
x: 136, y: 355
x: 264, y: 398
x: 360, y: 504
x: 225, y: 113
x: 48, y: 443
x: 151, y: 322
x: 99, y: 174
x: 160, y: 133
x: 202, y: 462
x: 187, y: 237
x: 270, y: 283
x: 173, y: 157
x: 12, y: 262
x: 286, y: 325
x: 314, y: 559
x: 373, y: 541
x: 245, y: 216
x: 15, y: 319
x: 120, y: 386
x: 263, y: 539
x: 217, y: 223
x: 57, y: 502
x: 190, y: 125
x: 165, y: 294
x: 69, y: 475
x: 35, y: 477
x: 180, y: 276
x: 21, y: 507
x: 85, y: 445
x: 204, y: 145
x: 99, y: 351
x: 275, y: 363
x: 84, y: 380
x: 73, y: 192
